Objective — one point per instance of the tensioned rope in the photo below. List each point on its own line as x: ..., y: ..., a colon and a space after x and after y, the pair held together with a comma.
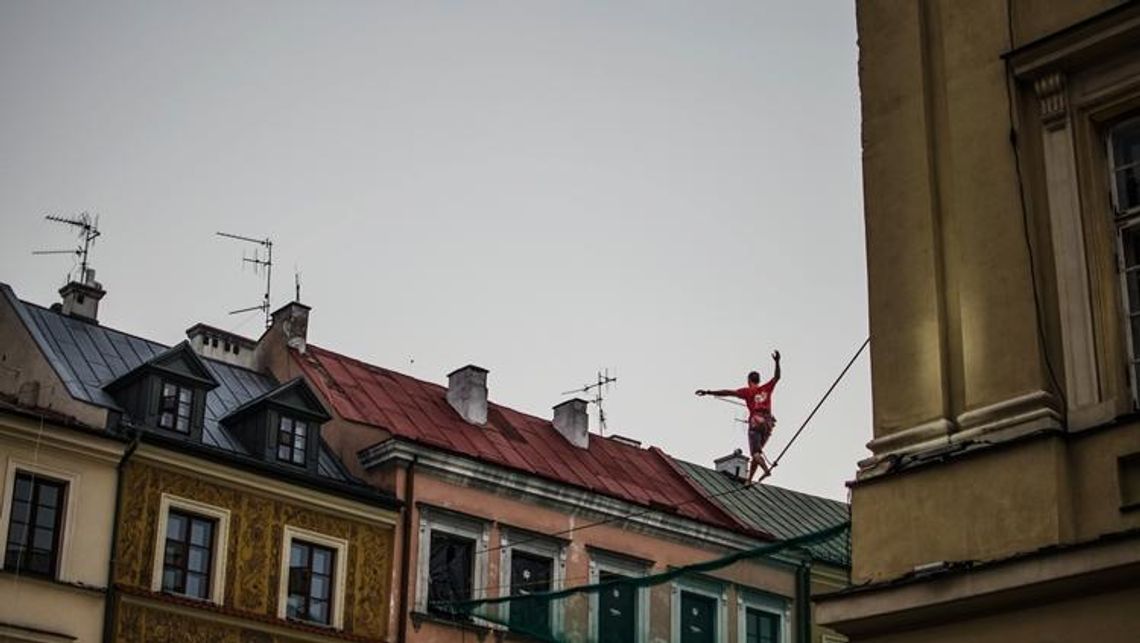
x: 635, y: 514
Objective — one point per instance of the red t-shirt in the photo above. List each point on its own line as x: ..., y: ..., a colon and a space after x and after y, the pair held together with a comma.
x: 759, y: 397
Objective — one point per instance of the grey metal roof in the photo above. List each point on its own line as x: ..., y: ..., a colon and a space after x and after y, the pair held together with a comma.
x: 88, y: 356
x: 781, y: 512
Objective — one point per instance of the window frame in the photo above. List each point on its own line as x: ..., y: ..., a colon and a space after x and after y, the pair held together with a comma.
x: 339, y: 581
x: 780, y: 607
x: 26, y: 542
x: 716, y: 590
x: 1122, y: 220
x: 220, y: 549
x: 601, y: 561
x: 476, y: 529
x: 67, y: 523
x: 534, y: 545
x: 313, y: 548
x: 179, y: 387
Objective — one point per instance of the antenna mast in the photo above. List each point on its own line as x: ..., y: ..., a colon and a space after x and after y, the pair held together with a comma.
x: 602, y: 384
x: 88, y: 232
x: 258, y: 263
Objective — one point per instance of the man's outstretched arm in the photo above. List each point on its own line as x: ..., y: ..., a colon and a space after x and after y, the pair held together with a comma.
x: 776, y: 372
x: 724, y: 392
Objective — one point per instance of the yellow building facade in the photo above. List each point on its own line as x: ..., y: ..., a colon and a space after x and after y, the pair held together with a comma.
x: 1001, y: 161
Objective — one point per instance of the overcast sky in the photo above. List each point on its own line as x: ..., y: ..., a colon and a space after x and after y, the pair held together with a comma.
x: 667, y: 189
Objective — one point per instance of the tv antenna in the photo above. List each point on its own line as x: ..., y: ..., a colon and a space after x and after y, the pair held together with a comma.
x: 597, y: 388
x: 88, y: 231
x: 258, y: 264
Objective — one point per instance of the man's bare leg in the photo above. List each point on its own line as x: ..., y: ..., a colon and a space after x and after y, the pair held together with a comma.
x: 758, y: 461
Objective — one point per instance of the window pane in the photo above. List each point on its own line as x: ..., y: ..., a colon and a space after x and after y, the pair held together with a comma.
x: 175, y: 526
x: 200, y: 533
x: 319, y: 611
x: 48, y: 496
x: 617, y: 611
x: 194, y: 586
x: 698, y: 618
x: 184, y: 396
x: 450, y: 569
x: 1128, y: 188
x: 322, y: 561
x: 1126, y: 144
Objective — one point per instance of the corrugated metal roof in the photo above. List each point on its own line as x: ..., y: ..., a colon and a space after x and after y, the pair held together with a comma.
x: 781, y: 512
x: 88, y: 356
x: 417, y: 410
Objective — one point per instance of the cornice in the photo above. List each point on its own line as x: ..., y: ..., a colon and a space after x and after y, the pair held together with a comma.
x: 265, y: 485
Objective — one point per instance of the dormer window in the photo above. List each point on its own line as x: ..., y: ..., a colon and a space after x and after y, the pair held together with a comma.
x: 282, y: 426
x: 167, y: 392
x: 175, y: 406
x: 292, y: 436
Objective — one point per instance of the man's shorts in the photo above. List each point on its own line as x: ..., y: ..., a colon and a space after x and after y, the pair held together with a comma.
x: 760, y: 427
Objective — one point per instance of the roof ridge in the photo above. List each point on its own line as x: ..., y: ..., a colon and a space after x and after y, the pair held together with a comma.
x: 776, y: 487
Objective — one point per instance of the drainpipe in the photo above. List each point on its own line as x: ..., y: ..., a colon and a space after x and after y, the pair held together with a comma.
x: 803, y: 602
x: 109, y: 608
x: 405, y: 560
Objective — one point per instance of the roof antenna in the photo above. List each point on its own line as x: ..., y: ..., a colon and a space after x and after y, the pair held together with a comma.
x: 258, y: 263
x: 88, y: 232
x: 296, y: 285
x: 603, y: 383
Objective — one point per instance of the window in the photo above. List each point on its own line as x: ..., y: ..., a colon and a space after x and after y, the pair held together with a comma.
x: 452, y: 561
x: 292, y: 436
x: 699, y: 612
x: 451, y: 567
x: 34, y: 525
x: 188, y: 556
x: 190, y: 549
x: 761, y: 617
x: 761, y: 626
x: 698, y: 618
x: 174, y: 407
x: 530, y: 574
x: 619, y: 613
x: 531, y: 563
x: 1124, y: 144
x: 310, y: 582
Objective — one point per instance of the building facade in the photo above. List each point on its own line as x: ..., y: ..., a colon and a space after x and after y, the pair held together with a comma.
x: 216, y: 511
x: 1001, y: 143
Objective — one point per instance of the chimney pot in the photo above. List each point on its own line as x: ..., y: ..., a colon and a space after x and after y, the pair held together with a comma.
x: 467, y: 393
x: 734, y: 464
x: 572, y: 420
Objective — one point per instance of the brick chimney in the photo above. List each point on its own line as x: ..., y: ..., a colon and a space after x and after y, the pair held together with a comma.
x: 734, y: 464
x: 467, y: 393
x: 572, y: 420
x: 81, y: 298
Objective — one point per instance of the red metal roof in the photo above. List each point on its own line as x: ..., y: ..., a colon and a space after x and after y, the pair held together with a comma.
x: 417, y: 410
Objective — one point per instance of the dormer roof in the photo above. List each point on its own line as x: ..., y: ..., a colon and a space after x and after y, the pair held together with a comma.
x: 294, y: 397
x: 179, y: 361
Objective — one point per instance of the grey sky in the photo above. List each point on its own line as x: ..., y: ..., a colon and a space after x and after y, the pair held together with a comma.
x: 668, y: 189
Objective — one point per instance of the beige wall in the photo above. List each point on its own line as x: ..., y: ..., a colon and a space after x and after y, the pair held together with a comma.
x: 87, y: 463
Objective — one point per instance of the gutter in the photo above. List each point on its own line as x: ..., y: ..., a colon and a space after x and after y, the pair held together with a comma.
x: 405, y: 559
x: 109, y: 608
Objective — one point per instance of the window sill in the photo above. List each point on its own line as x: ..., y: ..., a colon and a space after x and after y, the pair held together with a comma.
x: 48, y: 580
x: 419, y: 618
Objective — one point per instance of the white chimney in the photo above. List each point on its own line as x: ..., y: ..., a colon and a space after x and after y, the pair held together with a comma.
x: 81, y: 299
x: 467, y: 393
x: 735, y: 464
x: 222, y: 345
x: 292, y: 321
x: 573, y: 422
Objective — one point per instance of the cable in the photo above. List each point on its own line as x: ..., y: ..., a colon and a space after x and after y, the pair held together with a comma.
x: 611, y: 519
x: 823, y: 399
x: 1010, y: 80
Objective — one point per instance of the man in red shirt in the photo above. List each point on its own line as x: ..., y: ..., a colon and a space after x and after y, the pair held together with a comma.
x: 758, y: 398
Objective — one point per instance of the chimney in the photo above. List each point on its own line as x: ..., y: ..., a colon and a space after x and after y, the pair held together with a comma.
x: 573, y: 422
x: 81, y: 298
x: 734, y: 464
x: 292, y: 321
x: 221, y: 345
x: 467, y: 393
